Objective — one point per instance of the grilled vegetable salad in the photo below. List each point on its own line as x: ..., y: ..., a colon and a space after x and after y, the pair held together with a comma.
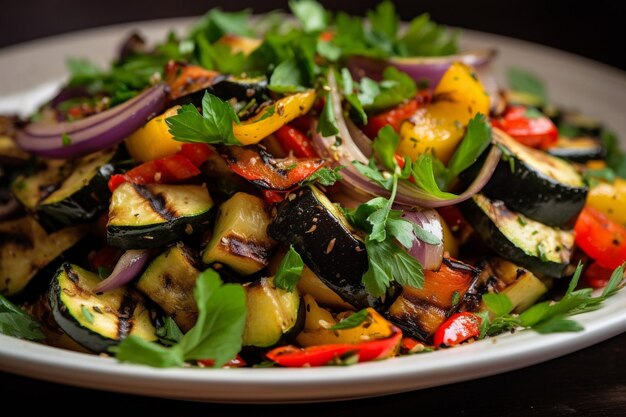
x: 321, y: 190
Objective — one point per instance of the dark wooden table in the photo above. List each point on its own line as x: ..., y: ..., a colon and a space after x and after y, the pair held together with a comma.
x: 591, y: 382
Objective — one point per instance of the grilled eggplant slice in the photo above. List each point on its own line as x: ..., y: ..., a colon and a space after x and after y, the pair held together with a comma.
x: 26, y: 249
x: 322, y: 236
x: 580, y: 149
x: 273, y: 315
x: 242, y: 88
x: 169, y: 281
x: 240, y: 238
x: 540, y: 186
x: 97, y: 321
x: 82, y: 196
x: 420, y: 311
x: 540, y: 248
x: 153, y: 215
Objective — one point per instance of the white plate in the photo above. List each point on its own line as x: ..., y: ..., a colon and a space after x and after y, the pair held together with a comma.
x: 591, y: 87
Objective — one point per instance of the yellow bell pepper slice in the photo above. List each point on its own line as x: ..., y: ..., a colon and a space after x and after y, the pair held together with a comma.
x: 240, y: 44
x: 153, y: 140
x: 439, y: 126
x: 610, y: 199
x: 285, y: 110
x: 319, y: 320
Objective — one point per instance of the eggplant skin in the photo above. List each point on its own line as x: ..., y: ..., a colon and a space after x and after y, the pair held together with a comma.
x: 324, y: 242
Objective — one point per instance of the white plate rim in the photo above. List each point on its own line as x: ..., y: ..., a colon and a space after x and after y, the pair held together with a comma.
x: 488, y: 357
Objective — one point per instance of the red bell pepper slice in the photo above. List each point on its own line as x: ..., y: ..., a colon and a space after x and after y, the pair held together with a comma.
x: 601, y: 238
x: 458, y: 328
x: 595, y: 276
x: 236, y: 362
x: 293, y: 140
x: 166, y: 170
x: 295, y: 357
x: 393, y: 117
x: 536, y: 131
x: 262, y: 169
x: 197, y: 153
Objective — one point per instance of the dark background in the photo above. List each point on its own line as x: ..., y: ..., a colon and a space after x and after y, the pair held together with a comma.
x: 595, y: 29
x: 591, y: 382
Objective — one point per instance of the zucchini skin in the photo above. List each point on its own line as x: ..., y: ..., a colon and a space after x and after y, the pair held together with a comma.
x: 326, y: 246
x: 528, y: 191
x: 579, y: 150
x: 499, y: 243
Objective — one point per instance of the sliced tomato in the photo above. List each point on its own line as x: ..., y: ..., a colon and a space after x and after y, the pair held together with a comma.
x: 197, y: 153
x: 171, y: 169
x: 601, y: 238
x: 528, y: 126
x: 236, y: 362
x: 595, y: 276
x: 294, y: 141
x: 393, y: 117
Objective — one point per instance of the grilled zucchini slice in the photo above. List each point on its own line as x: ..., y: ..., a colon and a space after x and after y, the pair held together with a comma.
x: 82, y: 196
x: 30, y: 189
x: 169, y: 281
x: 240, y: 238
x: 97, y: 321
x: 26, y: 249
x: 580, y: 149
x: 540, y: 248
x: 153, y: 215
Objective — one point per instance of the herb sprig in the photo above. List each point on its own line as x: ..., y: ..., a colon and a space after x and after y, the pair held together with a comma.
x: 17, y: 323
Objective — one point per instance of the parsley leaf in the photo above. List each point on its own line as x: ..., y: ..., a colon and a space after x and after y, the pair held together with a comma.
x: 169, y: 333
x: 615, y: 157
x: 395, y: 87
x: 352, y: 321
x: 498, y: 304
x: 424, y: 175
x: 216, y: 23
x: 66, y: 140
x: 385, y: 146
x: 287, y: 78
x: 324, y: 176
x: 384, y: 21
x: 426, y: 38
x: 214, y: 125
x: 17, y: 323
x: 525, y: 82
x: 327, y: 125
x: 310, y: 14
x: 476, y: 140
x: 289, y: 271
x: 216, y: 335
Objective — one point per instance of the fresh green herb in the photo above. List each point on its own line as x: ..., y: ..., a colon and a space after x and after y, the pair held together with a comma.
x: 385, y: 145
x: 218, y: 56
x: 17, y: 323
x: 395, y: 87
x: 66, y: 140
x: 352, y: 321
x: 84, y: 310
x: 424, y: 174
x: 289, y: 271
x: 348, y: 88
x: 217, y: 23
x: 324, y: 176
x: 269, y: 112
x: 615, y: 157
x: 591, y: 176
x: 548, y: 316
x: 525, y: 82
x: 310, y: 14
x: 474, y: 143
x: 327, y: 125
x: 456, y: 297
x: 169, y: 333
x: 104, y: 272
x: 426, y: 38
x: 328, y: 50
x: 214, y: 125
x: 287, y: 78
x: 217, y: 334
x: 541, y: 251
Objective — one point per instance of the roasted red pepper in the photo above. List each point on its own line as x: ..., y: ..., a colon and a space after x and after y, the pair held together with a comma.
x: 295, y: 357
x: 262, y: 169
x: 171, y: 169
x: 458, y: 328
x: 293, y: 140
x: 595, y: 276
x: 528, y: 126
x: 601, y: 238
x: 185, y: 79
x: 236, y: 362
x: 393, y: 117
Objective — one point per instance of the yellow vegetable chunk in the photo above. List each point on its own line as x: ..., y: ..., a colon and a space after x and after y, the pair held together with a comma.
x: 153, y: 140
x: 318, y: 321
x: 285, y: 110
x: 238, y: 44
x: 610, y: 199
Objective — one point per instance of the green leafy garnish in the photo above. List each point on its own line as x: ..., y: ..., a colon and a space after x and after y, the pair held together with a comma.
x: 289, y: 271
x: 169, y: 333
x: 287, y: 78
x: 217, y: 334
x: 324, y: 176
x: 547, y: 316
x: 214, y: 125
x: 525, y: 82
x: 310, y: 14
x: 17, y: 323
x: 615, y: 157
x: 352, y: 321
x: 327, y: 125
x: 66, y: 140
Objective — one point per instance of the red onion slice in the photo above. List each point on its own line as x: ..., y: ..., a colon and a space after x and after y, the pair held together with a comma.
x: 429, y: 255
x: 342, y: 150
x: 130, y: 264
x: 96, y: 132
